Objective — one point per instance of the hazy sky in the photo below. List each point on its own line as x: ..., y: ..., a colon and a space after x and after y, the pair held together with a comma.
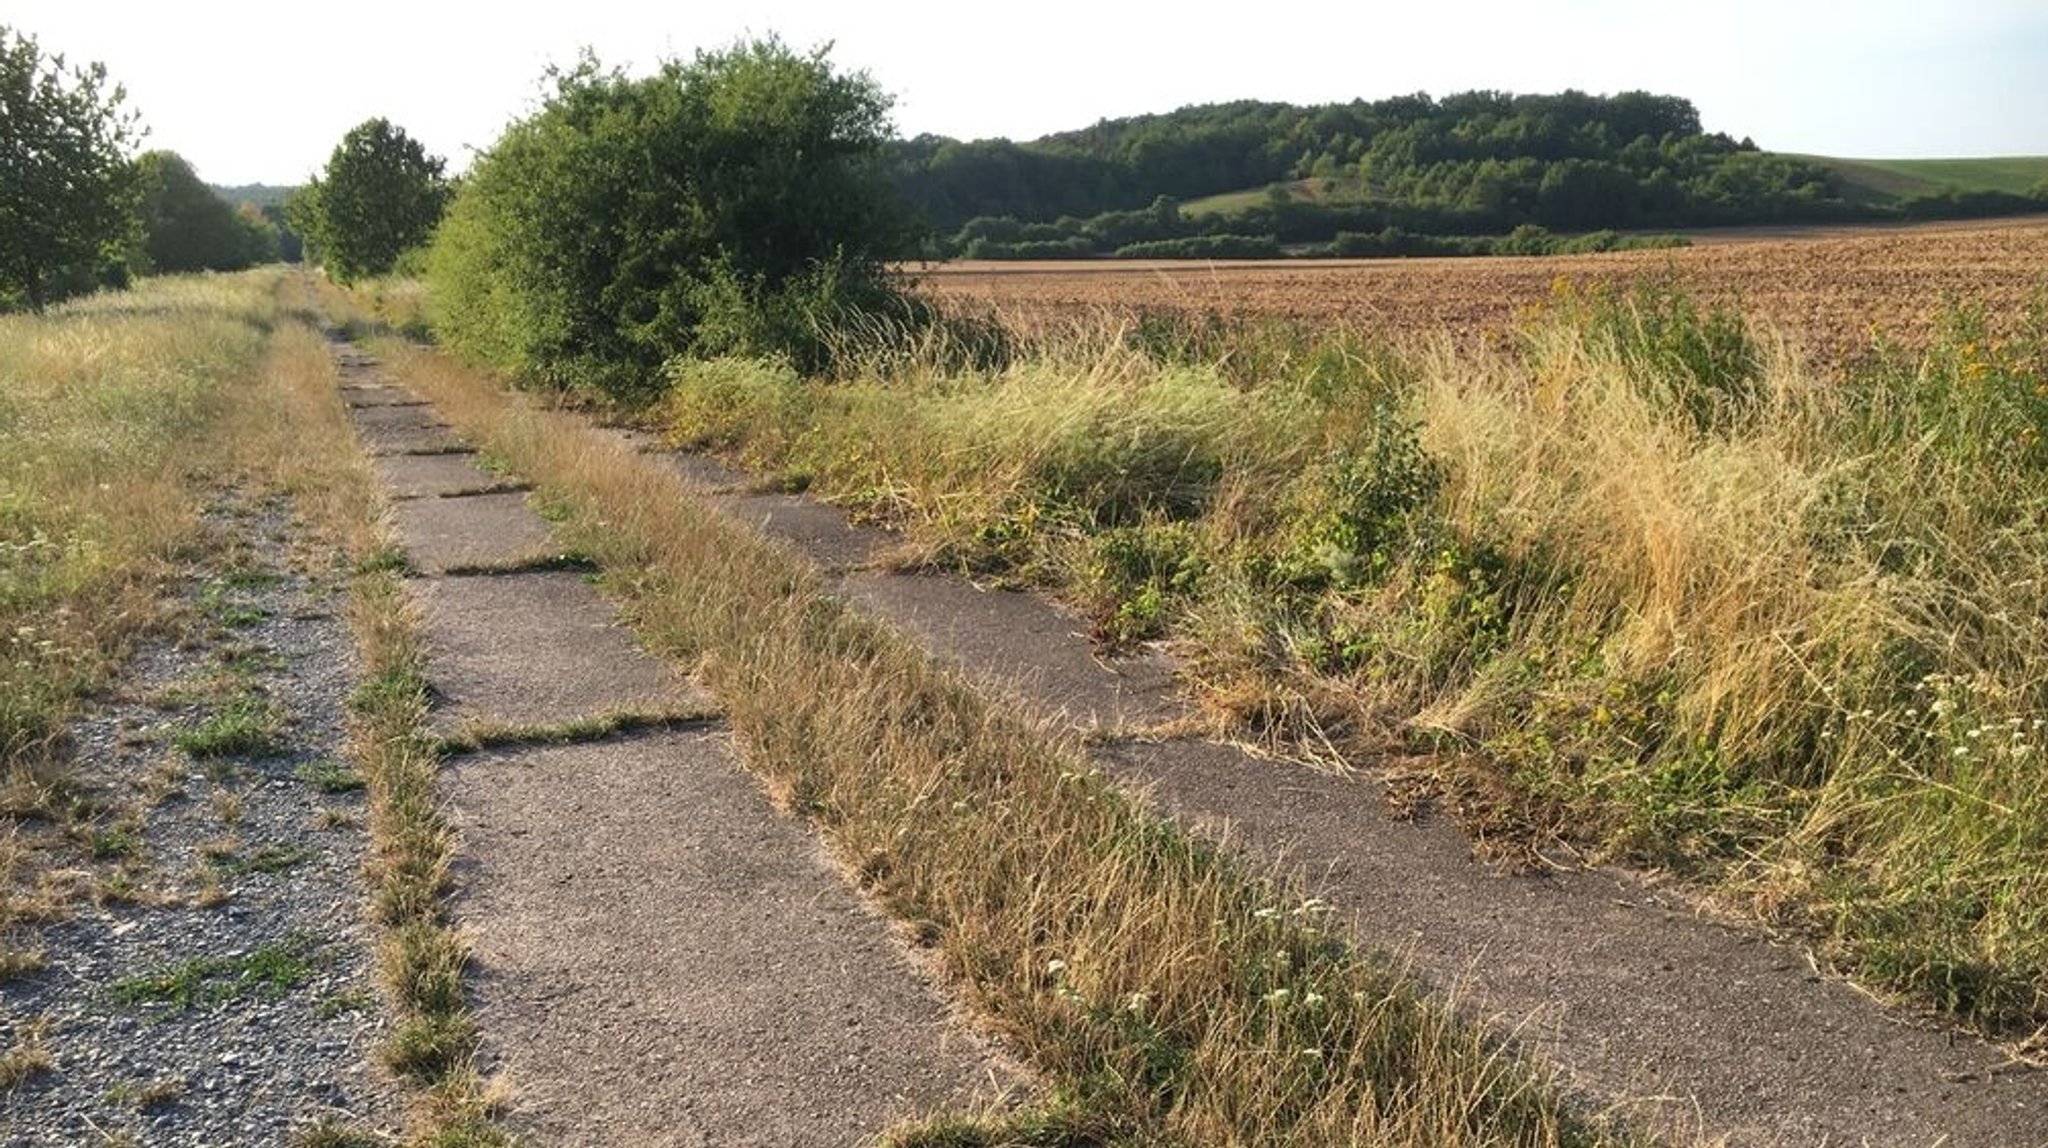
x: 261, y: 92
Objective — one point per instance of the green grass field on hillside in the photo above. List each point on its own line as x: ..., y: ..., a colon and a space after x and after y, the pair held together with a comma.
x: 1864, y: 181
x: 1890, y: 180
x: 1306, y: 190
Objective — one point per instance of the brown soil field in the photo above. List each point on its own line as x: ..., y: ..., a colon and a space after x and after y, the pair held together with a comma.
x: 1832, y: 291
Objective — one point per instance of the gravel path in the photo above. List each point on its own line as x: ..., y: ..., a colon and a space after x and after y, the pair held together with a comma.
x: 213, y: 983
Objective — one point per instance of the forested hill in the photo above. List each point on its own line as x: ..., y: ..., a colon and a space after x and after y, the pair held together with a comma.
x: 1477, y: 163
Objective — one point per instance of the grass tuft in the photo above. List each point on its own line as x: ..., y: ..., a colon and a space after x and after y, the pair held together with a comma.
x: 330, y: 777
x: 268, y: 972
x: 246, y: 726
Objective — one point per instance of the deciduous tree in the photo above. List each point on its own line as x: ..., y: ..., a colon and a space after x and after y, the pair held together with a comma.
x: 187, y: 227
x: 380, y: 196
x: 67, y: 189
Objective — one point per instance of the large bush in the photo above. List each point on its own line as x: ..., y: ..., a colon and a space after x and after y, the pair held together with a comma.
x: 728, y: 205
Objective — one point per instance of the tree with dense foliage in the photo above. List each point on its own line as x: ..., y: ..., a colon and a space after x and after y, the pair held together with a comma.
x: 66, y: 186
x: 380, y: 196
x: 186, y: 226
x: 730, y: 204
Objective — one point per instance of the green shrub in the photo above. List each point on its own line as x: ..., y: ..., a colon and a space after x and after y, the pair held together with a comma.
x: 725, y: 206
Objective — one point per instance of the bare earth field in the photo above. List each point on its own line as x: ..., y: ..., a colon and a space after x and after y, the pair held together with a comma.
x: 1832, y: 290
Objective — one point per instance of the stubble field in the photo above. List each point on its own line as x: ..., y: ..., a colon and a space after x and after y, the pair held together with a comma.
x: 1834, y: 291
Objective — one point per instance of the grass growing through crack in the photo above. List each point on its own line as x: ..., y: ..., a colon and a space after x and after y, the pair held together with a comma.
x: 537, y: 564
x: 1169, y: 993
x: 477, y: 737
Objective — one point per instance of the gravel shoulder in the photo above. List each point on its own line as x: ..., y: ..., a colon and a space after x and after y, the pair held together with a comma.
x: 211, y: 981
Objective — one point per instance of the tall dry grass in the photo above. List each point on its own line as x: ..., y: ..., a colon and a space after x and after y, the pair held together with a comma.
x: 1640, y: 575
x: 113, y: 417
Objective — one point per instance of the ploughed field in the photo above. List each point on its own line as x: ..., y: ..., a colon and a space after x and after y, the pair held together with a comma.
x: 1835, y: 291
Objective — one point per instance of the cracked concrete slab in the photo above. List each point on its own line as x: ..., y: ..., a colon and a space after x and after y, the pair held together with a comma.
x: 702, y: 471
x: 431, y: 475
x: 535, y: 649
x: 475, y: 530
x: 820, y: 532
x: 1025, y: 645
x: 666, y: 961
x: 360, y: 395
x: 399, y: 440
x: 378, y: 418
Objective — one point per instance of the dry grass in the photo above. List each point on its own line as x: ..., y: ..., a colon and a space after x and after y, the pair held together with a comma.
x: 1638, y: 575
x: 1170, y: 993
x: 122, y: 418
x: 27, y: 1056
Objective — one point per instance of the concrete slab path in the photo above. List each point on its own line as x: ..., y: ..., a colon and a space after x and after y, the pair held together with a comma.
x: 433, y: 475
x: 443, y: 534
x: 536, y: 649
x: 666, y: 960
x: 768, y: 1006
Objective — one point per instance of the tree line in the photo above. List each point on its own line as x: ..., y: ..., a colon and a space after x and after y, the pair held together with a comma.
x: 1472, y: 164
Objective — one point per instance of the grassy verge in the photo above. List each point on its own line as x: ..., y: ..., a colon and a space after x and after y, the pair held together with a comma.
x: 1169, y: 994
x: 121, y: 423
x: 1639, y: 577
x: 112, y: 431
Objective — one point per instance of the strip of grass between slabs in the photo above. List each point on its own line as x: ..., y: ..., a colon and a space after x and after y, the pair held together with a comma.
x: 477, y: 737
x: 424, y: 957
x: 1168, y: 991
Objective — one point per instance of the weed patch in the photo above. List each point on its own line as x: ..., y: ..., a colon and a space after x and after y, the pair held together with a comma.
x: 246, y: 726
x: 329, y: 776
x: 203, y: 982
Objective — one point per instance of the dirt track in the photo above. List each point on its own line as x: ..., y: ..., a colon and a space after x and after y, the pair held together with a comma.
x: 1832, y: 290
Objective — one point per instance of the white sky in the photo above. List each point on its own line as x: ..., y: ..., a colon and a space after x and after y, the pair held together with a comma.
x: 261, y: 92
